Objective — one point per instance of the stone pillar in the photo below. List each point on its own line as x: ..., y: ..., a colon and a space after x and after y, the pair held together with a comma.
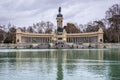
x: 41, y: 39
x: 64, y: 35
x: 75, y: 40
x: 18, y: 35
x: 49, y: 40
x: 100, y: 35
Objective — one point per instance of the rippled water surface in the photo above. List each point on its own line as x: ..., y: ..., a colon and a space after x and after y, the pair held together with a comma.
x: 60, y: 64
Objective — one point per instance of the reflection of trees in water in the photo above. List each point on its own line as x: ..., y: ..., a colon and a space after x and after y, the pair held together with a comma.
x: 95, y: 62
x: 6, y: 59
x: 113, y: 59
x: 112, y: 54
x: 85, y: 54
x: 85, y: 57
x: 44, y: 63
x: 43, y: 54
x: 7, y: 54
x: 114, y: 72
x: 66, y: 54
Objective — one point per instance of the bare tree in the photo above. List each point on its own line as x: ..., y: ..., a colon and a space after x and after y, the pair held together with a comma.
x: 43, y: 27
x: 30, y: 29
x: 113, y: 16
x: 71, y: 28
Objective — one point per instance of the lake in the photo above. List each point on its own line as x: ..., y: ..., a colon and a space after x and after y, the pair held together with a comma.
x: 60, y: 64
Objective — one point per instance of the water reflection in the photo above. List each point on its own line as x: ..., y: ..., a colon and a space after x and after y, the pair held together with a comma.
x: 61, y: 64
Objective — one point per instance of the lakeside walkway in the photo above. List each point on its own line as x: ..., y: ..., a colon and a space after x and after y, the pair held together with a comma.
x: 59, y: 46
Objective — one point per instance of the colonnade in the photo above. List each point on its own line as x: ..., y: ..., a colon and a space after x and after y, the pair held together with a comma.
x: 49, y: 39
x: 36, y: 39
x: 82, y: 39
x: 93, y: 37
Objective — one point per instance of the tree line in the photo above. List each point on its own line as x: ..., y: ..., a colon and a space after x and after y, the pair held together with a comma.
x: 110, y: 25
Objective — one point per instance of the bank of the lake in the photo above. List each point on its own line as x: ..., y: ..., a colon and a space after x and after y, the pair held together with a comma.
x: 61, y: 46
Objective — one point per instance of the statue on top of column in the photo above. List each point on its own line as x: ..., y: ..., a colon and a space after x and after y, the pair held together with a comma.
x: 59, y: 9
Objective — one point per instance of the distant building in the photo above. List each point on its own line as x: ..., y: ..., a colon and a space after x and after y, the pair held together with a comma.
x: 59, y: 35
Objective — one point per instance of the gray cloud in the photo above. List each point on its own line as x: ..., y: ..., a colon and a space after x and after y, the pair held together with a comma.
x: 27, y: 12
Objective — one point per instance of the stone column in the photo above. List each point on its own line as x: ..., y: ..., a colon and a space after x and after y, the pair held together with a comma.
x: 100, y: 35
x: 18, y: 36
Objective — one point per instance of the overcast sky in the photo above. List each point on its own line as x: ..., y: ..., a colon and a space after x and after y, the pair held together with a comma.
x: 27, y: 12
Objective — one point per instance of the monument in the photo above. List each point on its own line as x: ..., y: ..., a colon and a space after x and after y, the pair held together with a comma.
x: 59, y: 35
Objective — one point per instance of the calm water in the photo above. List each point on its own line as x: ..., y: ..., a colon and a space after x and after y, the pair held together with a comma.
x: 61, y: 64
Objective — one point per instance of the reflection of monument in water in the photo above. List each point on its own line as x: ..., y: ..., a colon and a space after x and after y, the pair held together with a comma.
x: 97, y: 54
x: 59, y: 66
x: 93, y: 60
x: 64, y: 56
